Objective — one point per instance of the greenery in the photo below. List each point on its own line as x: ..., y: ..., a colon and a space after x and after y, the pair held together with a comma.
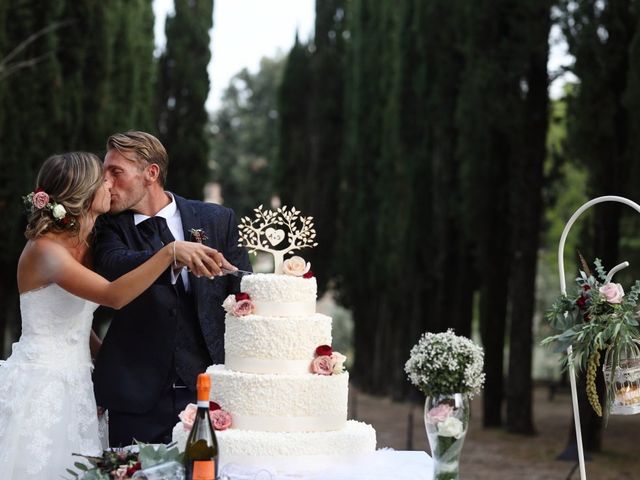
x: 597, y: 317
x: 126, y: 462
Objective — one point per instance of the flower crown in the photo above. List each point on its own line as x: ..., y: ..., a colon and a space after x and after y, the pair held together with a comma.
x: 39, y: 200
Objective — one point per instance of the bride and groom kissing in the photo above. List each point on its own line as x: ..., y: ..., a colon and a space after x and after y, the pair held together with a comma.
x: 142, y: 260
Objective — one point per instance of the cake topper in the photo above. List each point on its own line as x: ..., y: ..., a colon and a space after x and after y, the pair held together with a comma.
x: 277, y: 232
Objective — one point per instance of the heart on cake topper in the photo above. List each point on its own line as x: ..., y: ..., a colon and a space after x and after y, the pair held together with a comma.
x: 274, y: 236
x: 269, y: 229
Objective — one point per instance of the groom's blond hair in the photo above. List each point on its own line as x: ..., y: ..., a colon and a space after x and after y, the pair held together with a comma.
x: 146, y: 148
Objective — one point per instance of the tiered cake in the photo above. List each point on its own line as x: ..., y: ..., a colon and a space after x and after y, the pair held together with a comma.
x: 282, y: 386
x: 277, y: 405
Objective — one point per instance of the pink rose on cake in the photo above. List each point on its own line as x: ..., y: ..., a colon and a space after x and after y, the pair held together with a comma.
x: 295, y: 266
x: 242, y: 308
x: 220, y: 419
x: 188, y: 416
x: 239, y: 304
x: 327, y: 362
x: 322, y: 365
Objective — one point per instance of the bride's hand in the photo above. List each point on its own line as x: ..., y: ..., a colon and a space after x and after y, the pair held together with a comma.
x: 200, y: 259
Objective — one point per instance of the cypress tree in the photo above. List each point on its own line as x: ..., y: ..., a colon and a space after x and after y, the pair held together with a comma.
x: 526, y: 182
x: 27, y: 139
x: 312, y: 111
x: 183, y: 90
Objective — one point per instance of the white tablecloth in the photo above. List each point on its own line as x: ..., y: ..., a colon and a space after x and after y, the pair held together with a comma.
x: 381, y: 465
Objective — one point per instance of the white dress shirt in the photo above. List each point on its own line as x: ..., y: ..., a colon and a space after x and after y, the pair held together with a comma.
x: 172, y: 215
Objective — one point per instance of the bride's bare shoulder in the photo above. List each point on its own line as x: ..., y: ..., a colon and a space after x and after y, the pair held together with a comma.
x: 39, y: 262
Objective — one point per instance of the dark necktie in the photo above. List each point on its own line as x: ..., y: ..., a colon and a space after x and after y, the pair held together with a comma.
x: 156, y: 231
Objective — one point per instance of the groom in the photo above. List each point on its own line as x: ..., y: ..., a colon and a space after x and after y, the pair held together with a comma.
x: 145, y: 373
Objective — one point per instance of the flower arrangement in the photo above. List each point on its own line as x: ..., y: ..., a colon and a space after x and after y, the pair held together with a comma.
x: 327, y: 362
x: 238, y: 304
x: 220, y: 419
x: 39, y: 200
x: 598, y: 316
x: 448, y: 369
x: 121, y: 464
x: 444, y: 364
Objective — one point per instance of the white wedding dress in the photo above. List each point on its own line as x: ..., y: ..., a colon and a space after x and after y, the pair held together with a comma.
x: 47, y: 406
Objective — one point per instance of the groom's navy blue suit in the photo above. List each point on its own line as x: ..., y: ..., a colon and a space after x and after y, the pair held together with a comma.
x: 166, y: 335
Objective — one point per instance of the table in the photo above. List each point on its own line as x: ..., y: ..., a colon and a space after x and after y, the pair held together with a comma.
x: 384, y: 464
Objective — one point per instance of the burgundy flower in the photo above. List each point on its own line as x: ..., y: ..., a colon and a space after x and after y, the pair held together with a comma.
x: 324, y: 350
x: 213, y: 406
x: 133, y: 469
x: 309, y: 274
x: 582, y: 303
x: 39, y: 189
x: 242, y: 296
x: 586, y: 287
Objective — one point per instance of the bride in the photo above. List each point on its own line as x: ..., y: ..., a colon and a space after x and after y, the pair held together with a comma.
x: 47, y: 406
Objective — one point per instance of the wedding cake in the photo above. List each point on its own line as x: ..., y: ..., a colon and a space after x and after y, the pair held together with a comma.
x: 283, y: 391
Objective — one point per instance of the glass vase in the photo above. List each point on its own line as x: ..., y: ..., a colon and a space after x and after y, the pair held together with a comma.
x: 446, y: 419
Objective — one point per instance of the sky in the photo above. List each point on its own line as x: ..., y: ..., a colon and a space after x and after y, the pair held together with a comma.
x: 244, y: 31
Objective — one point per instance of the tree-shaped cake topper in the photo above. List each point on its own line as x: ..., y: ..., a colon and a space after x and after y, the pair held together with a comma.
x: 277, y: 232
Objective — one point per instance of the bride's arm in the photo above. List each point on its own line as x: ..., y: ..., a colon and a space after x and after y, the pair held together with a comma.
x: 58, y: 266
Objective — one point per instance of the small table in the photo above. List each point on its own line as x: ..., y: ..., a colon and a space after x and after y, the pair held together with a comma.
x: 383, y: 464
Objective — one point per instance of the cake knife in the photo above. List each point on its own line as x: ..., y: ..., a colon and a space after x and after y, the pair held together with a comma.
x: 236, y: 273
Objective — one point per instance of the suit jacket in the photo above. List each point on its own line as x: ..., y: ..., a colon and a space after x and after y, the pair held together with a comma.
x: 136, y: 358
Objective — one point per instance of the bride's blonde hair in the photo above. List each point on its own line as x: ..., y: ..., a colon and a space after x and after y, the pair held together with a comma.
x: 71, y: 180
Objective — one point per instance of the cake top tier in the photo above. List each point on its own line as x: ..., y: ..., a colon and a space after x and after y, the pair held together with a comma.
x: 280, y: 295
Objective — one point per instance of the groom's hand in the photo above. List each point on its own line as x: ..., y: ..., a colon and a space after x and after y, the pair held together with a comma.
x: 200, y: 259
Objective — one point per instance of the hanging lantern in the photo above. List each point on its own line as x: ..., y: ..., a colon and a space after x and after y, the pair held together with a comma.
x: 624, y: 387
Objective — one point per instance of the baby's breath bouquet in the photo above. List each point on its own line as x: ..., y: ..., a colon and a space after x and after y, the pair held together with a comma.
x: 444, y: 364
x: 448, y: 370
x: 597, y: 317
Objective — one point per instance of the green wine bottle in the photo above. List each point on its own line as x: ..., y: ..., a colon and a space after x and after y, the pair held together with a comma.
x: 201, y: 450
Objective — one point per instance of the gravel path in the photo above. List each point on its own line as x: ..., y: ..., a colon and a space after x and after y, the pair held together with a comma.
x: 493, y: 454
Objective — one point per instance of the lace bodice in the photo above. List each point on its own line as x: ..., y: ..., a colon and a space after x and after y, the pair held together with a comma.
x: 54, y: 321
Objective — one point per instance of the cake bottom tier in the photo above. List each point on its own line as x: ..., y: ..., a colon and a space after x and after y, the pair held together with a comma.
x: 290, y: 451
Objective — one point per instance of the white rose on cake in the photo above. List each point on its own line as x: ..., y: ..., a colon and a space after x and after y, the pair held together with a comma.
x: 229, y: 303
x: 295, y: 266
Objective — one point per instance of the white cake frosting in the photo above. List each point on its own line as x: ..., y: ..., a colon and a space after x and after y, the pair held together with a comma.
x: 259, y: 344
x: 281, y: 403
x: 254, y: 447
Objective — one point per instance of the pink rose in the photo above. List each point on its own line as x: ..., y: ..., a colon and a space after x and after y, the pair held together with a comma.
x: 322, y: 365
x: 40, y: 200
x: 220, y: 419
x: 295, y: 266
x: 613, y: 292
x: 120, y: 473
x: 188, y: 416
x: 242, y: 308
x: 440, y: 413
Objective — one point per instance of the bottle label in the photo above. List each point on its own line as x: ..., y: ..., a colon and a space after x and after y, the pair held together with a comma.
x: 204, y: 470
